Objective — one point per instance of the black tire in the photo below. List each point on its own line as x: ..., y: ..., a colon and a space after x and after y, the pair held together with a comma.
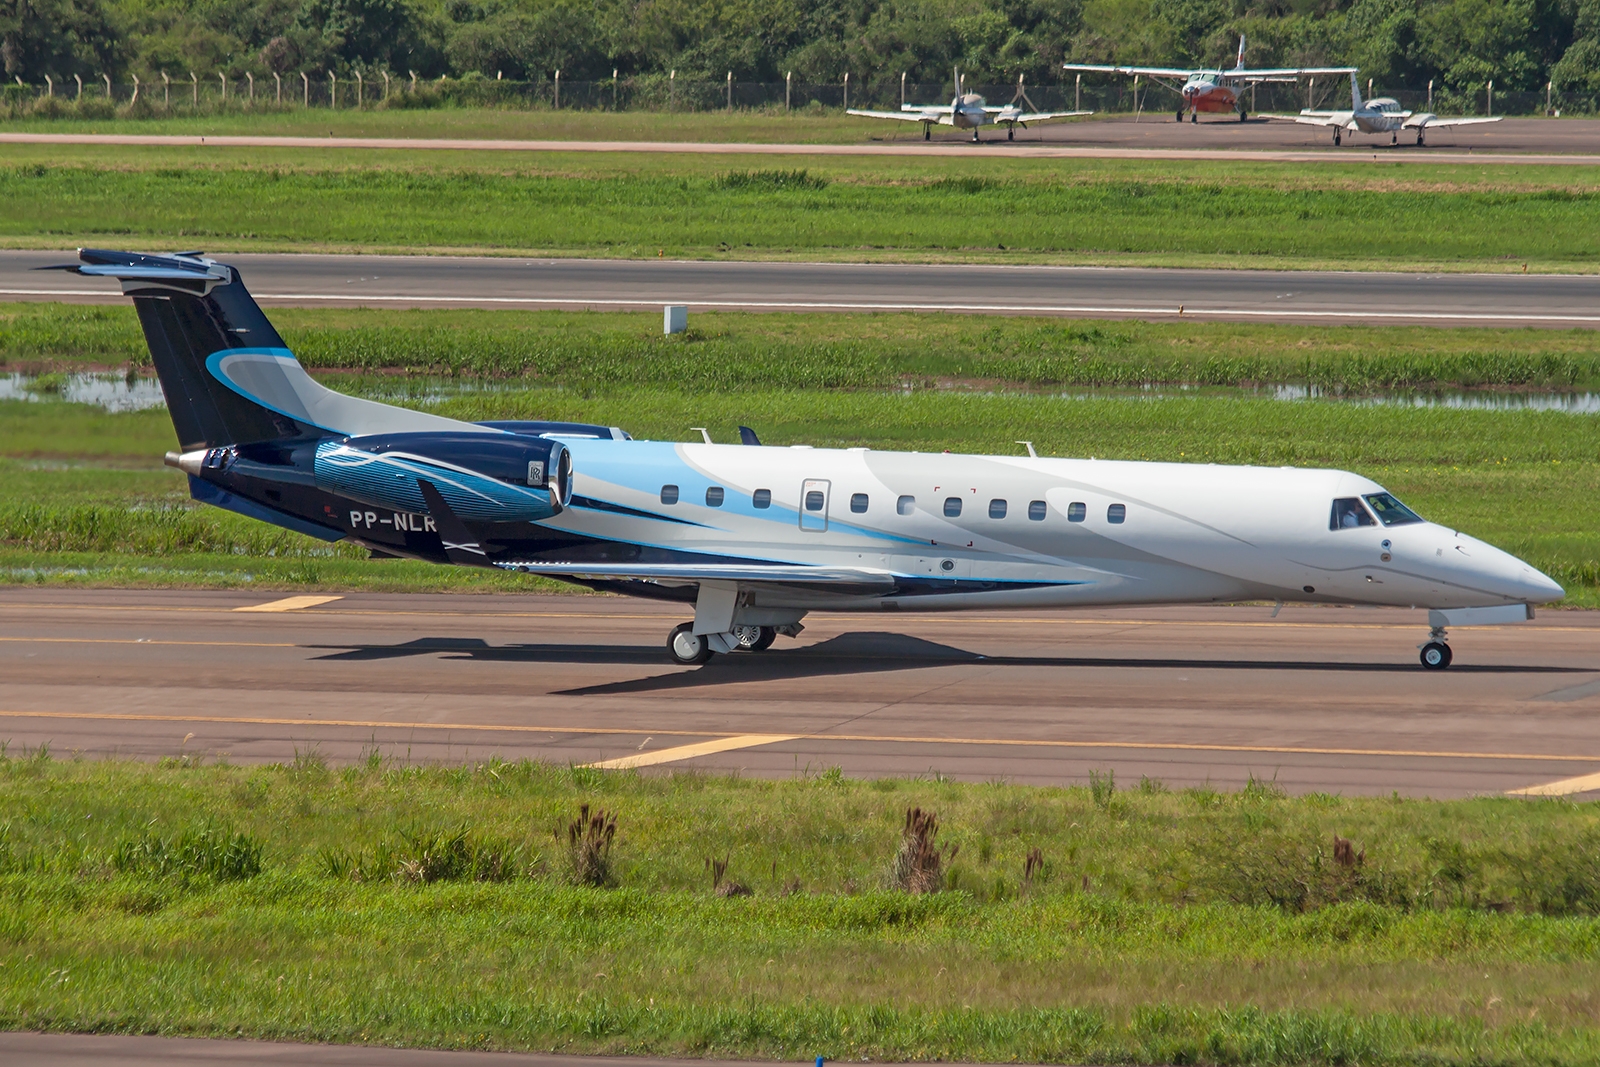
x: 755, y: 638
x: 1194, y: 116
x: 687, y: 648
x: 1336, y: 138
x: 1436, y: 656
x: 1180, y: 114
x: 927, y: 132
x: 1243, y: 114
x: 1011, y: 133
x: 769, y: 634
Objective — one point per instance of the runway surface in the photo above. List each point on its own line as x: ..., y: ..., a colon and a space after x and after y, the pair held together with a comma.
x: 1318, y: 699
x: 83, y: 1050
x: 1542, y: 300
x: 1541, y: 141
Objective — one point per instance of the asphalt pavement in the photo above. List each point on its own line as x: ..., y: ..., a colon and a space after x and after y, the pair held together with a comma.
x: 1318, y: 698
x: 1540, y: 300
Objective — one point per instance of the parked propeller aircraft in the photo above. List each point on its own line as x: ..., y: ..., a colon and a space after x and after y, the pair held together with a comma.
x: 756, y: 537
x: 1380, y: 115
x: 1212, y: 91
x: 969, y: 111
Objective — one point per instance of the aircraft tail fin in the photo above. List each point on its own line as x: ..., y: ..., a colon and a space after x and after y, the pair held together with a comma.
x: 1355, y: 93
x: 1238, y: 64
x: 194, y: 310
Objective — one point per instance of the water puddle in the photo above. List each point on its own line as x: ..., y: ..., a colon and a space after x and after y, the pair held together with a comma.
x: 112, y: 392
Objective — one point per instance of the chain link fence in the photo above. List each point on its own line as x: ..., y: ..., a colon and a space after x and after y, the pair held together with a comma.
x: 103, y: 98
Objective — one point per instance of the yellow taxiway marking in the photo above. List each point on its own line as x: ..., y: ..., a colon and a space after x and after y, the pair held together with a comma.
x: 892, y: 739
x: 1563, y: 788
x: 683, y: 752
x: 291, y: 603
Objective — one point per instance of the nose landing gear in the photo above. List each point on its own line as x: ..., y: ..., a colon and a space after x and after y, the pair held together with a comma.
x: 1435, y: 653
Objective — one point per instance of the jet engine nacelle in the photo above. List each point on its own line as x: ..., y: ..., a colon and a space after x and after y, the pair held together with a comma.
x: 483, y: 477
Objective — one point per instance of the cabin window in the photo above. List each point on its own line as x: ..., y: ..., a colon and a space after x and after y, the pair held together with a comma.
x: 815, y: 499
x: 905, y: 505
x: 997, y: 509
x: 1117, y: 513
x: 952, y: 507
x: 1390, y: 511
x: 858, y: 503
x: 1077, y: 511
x: 1036, y: 510
x: 761, y: 498
x: 1349, y: 514
x: 714, y: 496
x: 669, y: 494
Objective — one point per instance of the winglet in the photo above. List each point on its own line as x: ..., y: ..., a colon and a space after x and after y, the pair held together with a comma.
x: 747, y: 436
x: 460, y: 546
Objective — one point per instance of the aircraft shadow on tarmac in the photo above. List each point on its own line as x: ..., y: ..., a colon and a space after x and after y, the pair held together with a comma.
x: 862, y: 652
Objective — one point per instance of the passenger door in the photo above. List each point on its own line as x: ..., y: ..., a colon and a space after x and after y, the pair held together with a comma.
x: 814, y: 504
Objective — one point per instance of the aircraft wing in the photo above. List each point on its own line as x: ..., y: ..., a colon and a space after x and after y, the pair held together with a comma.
x: 1436, y: 123
x: 1034, y: 116
x: 689, y: 573
x: 1287, y: 72
x: 1313, y: 118
x: 927, y: 115
x: 1154, y: 72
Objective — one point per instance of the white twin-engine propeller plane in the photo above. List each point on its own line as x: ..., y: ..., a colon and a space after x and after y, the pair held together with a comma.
x: 1380, y: 115
x: 755, y: 537
x: 969, y: 111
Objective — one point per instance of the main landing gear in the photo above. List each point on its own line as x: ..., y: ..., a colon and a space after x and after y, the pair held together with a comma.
x: 1421, y: 139
x: 689, y: 648
x: 1336, y: 138
x: 1436, y: 654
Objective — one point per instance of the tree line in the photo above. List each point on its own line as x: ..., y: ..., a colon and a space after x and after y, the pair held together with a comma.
x: 1519, y: 44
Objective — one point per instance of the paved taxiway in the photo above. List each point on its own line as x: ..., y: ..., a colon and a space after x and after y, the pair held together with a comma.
x: 1318, y: 699
x: 1542, y: 300
x: 1568, y: 141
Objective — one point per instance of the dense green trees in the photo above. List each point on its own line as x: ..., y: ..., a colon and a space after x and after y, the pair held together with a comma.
x: 1460, y: 43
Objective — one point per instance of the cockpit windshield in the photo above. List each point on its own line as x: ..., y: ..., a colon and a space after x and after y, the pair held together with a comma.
x: 1348, y: 514
x: 1390, y: 511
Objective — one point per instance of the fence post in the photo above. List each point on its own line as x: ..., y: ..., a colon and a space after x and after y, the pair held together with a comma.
x: 386, y: 86
x: 305, y: 87
x: 1077, y: 94
x: 135, y: 98
x: 730, y: 90
x: 223, y: 78
x: 788, y: 84
x: 79, y: 79
x: 107, y: 78
x: 194, y: 89
x: 166, y: 90
x: 672, y: 90
x: 1369, y: 88
x: 251, y: 78
x: 902, y: 90
x: 558, y: 90
x: 333, y: 91
x: 49, y: 86
x: 1491, y: 98
x: 413, y: 81
x: 277, y: 80
x: 1547, y: 87
x: 847, y: 90
x: 359, y: 87
x: 614, y: 89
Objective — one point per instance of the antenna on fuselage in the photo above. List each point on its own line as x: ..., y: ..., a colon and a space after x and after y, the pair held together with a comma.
x: 1031, y: 453
x: 705, y: 433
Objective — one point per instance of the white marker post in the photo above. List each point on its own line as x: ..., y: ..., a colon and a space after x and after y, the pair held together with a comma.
x: 674, y: 319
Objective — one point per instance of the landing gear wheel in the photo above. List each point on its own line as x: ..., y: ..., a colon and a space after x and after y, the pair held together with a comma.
x: 1194, y: 116
x: 1394, y: 138
x: 1180, y: 114
x: 975, y: 137
x: 1011, y: 133
x: 1336, y: 138
x: 927, y: 132
x: 1243, y: 115
x: 755, y: 638
x: 1420, y: 138
x: 1436, y: 655
x: 687, y: 647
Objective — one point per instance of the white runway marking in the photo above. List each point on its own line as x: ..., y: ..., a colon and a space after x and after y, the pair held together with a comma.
x: 1566, y: 787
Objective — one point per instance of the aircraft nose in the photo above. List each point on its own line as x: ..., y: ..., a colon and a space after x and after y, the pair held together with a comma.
x: 1513, y: 578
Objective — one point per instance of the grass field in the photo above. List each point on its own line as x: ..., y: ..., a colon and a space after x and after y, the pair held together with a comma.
x: 1059, y: 211
x: 440, y: 906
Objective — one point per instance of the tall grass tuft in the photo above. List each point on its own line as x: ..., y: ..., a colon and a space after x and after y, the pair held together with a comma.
x: 589, y: 840
x: 768, y: 180
x: 194, y: 852
x: 920, y: 862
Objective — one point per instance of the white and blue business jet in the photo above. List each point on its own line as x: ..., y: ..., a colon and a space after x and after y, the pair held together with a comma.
x: 756, y: 537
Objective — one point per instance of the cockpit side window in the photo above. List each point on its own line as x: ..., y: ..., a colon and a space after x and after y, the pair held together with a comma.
x: 1348, y: 514
x: 1390, y: 511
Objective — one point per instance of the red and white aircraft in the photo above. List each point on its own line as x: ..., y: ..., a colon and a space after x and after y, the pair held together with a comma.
x: 1213, y: 91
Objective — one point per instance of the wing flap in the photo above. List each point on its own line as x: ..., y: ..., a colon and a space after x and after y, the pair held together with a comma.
x: 903, y: 116
x: 783, y: 574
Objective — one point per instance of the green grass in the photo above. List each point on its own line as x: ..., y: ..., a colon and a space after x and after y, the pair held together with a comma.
x: 1111, y: 211
x: 1163, y: 927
